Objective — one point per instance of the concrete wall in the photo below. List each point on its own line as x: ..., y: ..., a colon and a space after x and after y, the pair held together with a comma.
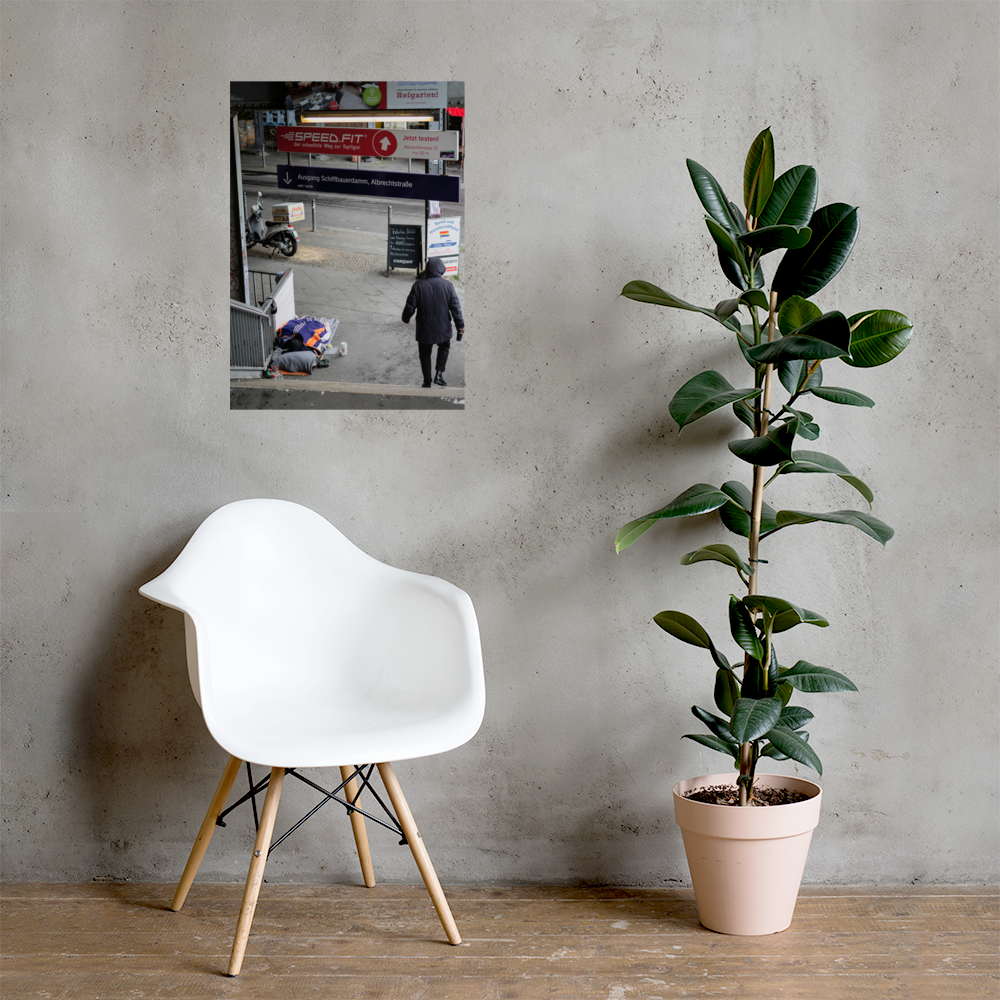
x: 118, y: 439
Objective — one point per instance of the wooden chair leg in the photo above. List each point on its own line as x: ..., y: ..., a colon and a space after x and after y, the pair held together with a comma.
x: 420, y: 854
x: 358, y: 826
x: 256, y: 874
x: 205, y: 833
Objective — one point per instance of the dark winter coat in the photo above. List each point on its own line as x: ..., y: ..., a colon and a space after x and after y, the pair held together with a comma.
x: 435, y: 302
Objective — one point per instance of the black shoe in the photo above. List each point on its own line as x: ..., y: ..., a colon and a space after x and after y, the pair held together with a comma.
x: 426, y: 385
x: 439, y: 379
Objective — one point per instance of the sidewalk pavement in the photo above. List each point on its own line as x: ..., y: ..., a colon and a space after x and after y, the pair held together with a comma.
x: 368, y: 306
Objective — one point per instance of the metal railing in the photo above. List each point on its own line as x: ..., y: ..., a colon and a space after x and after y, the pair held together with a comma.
x: 251, y: 338
x: 253, y: 328
x: 262, y: 285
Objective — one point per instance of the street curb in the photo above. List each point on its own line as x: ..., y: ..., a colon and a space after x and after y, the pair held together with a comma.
x: 359, y: 388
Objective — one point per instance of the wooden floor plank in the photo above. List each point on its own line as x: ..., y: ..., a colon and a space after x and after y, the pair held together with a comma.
x: 831, y: 947
x: 105, y: 941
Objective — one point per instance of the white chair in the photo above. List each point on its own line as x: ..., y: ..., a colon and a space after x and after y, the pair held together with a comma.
x: 379, y: 664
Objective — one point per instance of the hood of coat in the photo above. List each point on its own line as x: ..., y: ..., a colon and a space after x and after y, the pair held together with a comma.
x: 435, y: 267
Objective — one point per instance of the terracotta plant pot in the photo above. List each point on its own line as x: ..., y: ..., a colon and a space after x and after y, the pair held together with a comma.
x: 746, y: 863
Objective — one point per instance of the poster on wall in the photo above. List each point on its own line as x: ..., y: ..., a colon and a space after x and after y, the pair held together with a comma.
x: 361, y: 163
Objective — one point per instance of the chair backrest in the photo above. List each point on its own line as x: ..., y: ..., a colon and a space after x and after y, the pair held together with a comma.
x: 279, y: 606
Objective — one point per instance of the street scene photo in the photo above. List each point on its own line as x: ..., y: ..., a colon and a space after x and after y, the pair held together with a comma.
x: 347, y: 245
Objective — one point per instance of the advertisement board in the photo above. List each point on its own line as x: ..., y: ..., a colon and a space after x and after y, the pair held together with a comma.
x: 410, y: 143
x: 444, y: 240
x: 405, y: 246
x: 443, y: 237
x: 416, y: 94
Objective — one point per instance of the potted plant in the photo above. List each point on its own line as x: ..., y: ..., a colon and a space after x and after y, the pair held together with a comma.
x: 785, y: 338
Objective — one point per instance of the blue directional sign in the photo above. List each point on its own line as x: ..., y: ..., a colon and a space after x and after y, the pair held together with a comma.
x: 382, y: 183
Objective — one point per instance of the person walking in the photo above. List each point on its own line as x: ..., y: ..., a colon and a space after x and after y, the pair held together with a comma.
x: 434, y: 300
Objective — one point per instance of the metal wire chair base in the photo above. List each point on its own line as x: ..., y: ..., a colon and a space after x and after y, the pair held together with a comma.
x: 359, y: 774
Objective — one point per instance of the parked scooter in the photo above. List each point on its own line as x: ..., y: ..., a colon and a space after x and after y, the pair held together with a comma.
x: 273, y: 235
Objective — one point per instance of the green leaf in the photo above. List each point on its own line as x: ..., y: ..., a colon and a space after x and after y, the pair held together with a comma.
x: 744, y: 414
x: 720, y: 727
x: 754, y: 297
x: 753, y: 717
x: 758, y: 173
x: 731, y: 269
x: 736, y: 515
x: 777, y: 607
x: 720, y: 661
x: 727, y: 244
x: 847, y: 397
x: 805, y: 271
x: 741, y: 625
x: 808, y: 677
x: 726, y: 308
x: 738, y: 493
x: 753, y: 677
x: 645, y: 291
x: 704, y: 393
x: 793, y: 198
x: 745, y: 343
x: 771, y: 448
x: 795, y: 312
x: 714, y: 743
x: 683, y: 627
x: 829, y: 336
x: 816, y: 461
x: 775, y: 238
x: 632, y: 531
x: 698, y: 499
x: 794, y: 746
x: 727, y: 691
x: 872, y: 526
x: 794, y: 717
x: 718, y: 553
x: 711, y: 195
x: 793, y: 375
x: 878, y: 337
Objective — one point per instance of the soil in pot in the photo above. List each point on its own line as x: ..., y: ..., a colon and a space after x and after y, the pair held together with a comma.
x: 729, y: 795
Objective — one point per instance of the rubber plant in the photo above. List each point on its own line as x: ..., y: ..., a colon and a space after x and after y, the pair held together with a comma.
x: 786, y: 338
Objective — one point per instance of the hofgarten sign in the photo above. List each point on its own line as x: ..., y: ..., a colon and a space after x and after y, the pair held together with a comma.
x: 380, y: 183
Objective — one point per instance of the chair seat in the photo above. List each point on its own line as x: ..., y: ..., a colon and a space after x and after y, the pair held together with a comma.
x: 288, y: 732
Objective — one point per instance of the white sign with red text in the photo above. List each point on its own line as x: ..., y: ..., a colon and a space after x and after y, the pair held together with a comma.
x: 416, y: 94
x: 414, y: 144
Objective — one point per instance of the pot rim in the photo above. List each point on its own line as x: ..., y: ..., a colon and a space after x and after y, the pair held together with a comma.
x: 766, y: 823
x: 779, y: 781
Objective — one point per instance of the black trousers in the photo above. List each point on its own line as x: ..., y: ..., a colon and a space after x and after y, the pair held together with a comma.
x: 425, y: 358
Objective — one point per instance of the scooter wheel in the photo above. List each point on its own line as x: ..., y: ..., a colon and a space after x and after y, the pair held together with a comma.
x: 288, y: 246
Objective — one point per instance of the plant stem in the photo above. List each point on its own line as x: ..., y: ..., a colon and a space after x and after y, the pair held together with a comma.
x: 757, y: 505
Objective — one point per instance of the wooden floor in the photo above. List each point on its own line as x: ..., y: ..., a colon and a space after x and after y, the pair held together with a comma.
x: 105, y: 941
